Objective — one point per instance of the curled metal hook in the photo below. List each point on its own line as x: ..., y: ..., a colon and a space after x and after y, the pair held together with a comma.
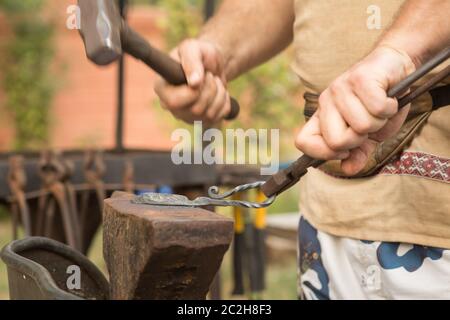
x: 214, y: 194
x: 214, y: 199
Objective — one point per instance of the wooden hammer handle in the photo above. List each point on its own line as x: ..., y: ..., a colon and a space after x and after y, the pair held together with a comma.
x: 163, y: 64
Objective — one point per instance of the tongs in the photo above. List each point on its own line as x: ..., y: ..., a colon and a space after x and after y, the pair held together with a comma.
x: 286, y: 178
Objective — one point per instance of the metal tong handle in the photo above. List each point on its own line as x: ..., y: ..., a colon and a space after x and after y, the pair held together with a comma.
x: 288, y: 177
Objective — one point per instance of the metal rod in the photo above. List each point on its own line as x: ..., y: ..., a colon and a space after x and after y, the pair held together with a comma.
x: 419, y: 73
x: 424, y: 88
x: 119, y: 147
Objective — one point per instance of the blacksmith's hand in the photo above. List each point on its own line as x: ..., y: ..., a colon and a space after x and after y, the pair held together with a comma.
x: 355, y: 112
x: 205, y: 97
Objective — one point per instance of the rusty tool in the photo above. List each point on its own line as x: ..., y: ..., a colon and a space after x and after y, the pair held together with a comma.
x: 68, y: 171
x: 288, y: 177
x: 54, y: 194
x: 106, y: 36
x: 17, y: 181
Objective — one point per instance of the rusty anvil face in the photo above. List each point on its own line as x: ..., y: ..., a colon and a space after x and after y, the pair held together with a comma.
x: 155, y: 252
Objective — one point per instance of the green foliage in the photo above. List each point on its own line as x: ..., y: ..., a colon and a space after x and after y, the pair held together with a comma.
x: 269, y: 95
x: 22, y: 6
x: 184, y: 19
x: 26, y: 80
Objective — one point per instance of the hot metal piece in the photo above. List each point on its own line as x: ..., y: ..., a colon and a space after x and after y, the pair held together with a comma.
x: 214, y: 199
x: 161, y: 199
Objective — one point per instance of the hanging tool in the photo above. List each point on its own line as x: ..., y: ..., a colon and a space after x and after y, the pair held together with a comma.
x: 17, y: 181
x: 54, y: 195
x: 288, y: 177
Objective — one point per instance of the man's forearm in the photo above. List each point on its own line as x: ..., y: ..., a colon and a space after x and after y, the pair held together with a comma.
x: 421, y: 29
x: 250, y: 32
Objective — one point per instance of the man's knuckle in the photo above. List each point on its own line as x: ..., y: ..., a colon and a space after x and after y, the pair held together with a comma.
x: 301, y: 141
x: 357, y: 78
x: 335, y: 142
x: 323, y: 99
x: 337, y: 87
x: 169, y: 103
x: 210, y: 115
x: 172, y: 102
x: 197, y: 110
x: 380, y: 108
x: 362, y: 126
x: 220, y: 88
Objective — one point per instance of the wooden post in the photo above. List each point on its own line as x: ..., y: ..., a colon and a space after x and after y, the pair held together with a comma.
x: 158, y: 252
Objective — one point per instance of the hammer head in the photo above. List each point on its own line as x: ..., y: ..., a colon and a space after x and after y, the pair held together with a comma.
x: 101, y: 25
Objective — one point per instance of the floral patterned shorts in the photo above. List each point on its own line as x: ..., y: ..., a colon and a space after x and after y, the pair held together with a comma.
x: 333, y: 267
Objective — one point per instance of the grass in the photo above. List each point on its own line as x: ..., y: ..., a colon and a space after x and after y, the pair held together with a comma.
x: 281, y: 276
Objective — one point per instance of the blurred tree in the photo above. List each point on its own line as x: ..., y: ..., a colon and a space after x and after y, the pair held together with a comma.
x: 270, y: 95
x: 22, y: 6
x: 26, y: 78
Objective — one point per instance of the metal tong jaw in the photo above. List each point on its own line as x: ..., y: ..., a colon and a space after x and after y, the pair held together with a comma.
x: 286, y: 178
x: 214, y: 199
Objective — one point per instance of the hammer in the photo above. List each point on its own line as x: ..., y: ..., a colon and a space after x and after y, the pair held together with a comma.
x: 106, y: 36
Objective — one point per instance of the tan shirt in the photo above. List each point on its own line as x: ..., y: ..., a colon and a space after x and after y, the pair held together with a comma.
x: 409, y: 201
